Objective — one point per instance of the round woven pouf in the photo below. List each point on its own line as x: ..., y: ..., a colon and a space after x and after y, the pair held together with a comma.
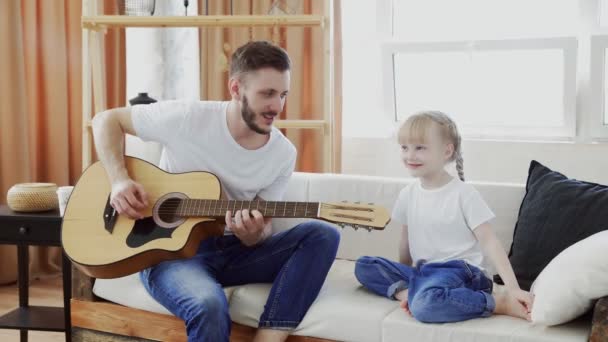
x: 32, y: 197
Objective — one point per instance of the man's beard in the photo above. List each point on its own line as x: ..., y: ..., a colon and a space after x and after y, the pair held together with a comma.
x: 249, y: 117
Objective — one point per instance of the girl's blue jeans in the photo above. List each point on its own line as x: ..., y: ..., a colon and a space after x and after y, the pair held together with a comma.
x: 437, y: 292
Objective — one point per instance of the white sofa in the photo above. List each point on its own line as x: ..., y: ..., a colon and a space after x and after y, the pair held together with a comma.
x: 344, y: 311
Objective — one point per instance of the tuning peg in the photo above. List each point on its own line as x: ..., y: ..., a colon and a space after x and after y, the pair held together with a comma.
x: 344, y: 201
x: 369, y: 229
x: 371, y: 203
x: 358, y: 202
x: 356, y: 227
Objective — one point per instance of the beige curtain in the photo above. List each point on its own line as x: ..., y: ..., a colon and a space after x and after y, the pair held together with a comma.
x: 40, y: 111
x: 305, y: 48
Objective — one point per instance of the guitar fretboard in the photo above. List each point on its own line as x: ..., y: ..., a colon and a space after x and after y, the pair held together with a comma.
x: 218, y: 208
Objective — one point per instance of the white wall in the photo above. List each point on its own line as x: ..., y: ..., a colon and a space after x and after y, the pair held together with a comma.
x: 489, y: 161
x: 366, y: 152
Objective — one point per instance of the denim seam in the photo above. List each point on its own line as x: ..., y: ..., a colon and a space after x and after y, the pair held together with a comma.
x: 262, y: 258
x: 280, y: 283
x: 386, y: 276
x: 160, y: 290
x: 165, y: 294
x: 271, y: 321
x: 383, y: 272
x: 279, y: 325
x: 468, y: 269
x: 490, y: 305
x: 399, y: 285
x: 468, y: 305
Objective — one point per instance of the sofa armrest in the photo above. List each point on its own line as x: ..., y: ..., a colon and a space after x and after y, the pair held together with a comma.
x: 599, y: 324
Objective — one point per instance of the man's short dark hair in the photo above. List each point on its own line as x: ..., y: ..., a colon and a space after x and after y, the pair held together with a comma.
x: 257, y: 55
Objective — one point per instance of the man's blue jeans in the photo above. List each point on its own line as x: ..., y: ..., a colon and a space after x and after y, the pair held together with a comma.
x: 452, y: 291
x: 296, y: 261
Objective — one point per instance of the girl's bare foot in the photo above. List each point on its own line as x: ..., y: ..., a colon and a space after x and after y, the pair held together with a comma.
x: 509, y: 305
x: 402, y: 297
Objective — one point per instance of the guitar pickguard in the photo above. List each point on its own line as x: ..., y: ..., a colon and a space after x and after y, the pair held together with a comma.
x: 146, y: 230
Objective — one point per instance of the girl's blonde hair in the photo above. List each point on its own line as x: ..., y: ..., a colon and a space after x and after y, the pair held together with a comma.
x: 415, y: 128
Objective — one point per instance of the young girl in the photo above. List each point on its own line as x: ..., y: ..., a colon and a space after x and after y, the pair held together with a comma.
x: 440, y: 276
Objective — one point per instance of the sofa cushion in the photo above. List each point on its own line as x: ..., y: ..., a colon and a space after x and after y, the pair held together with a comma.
x: 556, y: 212
x: 343, y: 311
x: 352, y: 188
x: 399, y: 327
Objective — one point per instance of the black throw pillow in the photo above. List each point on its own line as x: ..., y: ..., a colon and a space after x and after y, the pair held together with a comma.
x: 556, y: 212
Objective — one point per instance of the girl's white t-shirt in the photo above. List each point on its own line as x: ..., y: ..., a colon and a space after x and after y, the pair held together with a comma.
x: 195, y: 137
x: 441, y: 221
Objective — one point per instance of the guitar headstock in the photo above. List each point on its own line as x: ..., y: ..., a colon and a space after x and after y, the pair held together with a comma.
x: 355, y: 215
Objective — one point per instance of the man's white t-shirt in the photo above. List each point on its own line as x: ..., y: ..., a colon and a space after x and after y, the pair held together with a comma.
x: 195, y: 137
x: 441, y: 221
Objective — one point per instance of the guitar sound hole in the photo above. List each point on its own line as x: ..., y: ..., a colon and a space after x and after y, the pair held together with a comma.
x: 168, y: 210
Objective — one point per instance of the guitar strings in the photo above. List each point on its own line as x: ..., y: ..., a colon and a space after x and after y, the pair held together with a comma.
x: 288, y: 206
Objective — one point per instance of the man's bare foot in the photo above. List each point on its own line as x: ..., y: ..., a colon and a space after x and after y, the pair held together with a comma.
x: 509, y: 305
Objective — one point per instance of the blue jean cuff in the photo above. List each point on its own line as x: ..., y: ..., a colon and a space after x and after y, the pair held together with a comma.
x: 396, y: 288
x: 278, y: 325
x: 490, y: 305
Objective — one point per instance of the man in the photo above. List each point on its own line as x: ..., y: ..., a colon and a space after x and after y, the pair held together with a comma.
x: 236, y: 141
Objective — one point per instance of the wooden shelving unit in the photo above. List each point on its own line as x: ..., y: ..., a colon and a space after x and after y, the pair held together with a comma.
x: 94, y: 26
x: 302, y: 124
x: 94, y: 98
x: 103, y: 21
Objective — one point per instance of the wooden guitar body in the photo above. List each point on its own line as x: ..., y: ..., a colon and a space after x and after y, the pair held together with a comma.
x: 183, y: 209
x: 133, y: 245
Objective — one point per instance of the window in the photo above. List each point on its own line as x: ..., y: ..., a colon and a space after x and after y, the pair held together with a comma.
x: 362, y: 81
x: 441, y: 20
x: 502, y: 69
x: 605, y: 74
x: 505, y: 88
x: 599, y: 75
x: 604, y: 13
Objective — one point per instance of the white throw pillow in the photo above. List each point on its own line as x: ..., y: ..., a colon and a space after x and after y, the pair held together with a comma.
x: 572, y: 281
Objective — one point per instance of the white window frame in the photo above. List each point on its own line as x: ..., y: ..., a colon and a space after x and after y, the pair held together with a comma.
x: 599, y: 44
x: 567, y: 44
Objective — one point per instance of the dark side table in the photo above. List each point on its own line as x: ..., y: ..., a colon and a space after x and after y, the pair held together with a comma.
x: 38, y: 229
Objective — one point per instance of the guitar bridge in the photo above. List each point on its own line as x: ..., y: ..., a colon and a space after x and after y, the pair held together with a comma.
x: 109, y: 216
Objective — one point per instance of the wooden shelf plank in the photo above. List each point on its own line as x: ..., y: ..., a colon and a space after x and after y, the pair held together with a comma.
x: 102, y: 21
x: 296, y: 124
x: 302, y: 124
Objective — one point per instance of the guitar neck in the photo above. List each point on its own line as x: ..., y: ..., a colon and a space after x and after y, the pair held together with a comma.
x: 218, y: 208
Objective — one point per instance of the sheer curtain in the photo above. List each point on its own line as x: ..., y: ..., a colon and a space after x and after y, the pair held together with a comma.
x: 41, y: 107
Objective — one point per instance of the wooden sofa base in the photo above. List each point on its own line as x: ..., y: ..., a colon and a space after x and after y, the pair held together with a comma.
x: 109, y: 322
x: 599, y: 325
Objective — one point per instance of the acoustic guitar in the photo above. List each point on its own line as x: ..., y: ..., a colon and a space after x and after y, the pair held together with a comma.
x: 184, y: 209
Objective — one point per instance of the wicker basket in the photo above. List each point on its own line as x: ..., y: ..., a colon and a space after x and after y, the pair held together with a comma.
x: 32, y: 197
x: 136, y: 7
